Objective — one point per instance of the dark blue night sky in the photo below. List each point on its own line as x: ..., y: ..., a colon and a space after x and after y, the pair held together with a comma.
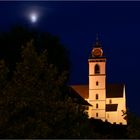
x: 77, y: 23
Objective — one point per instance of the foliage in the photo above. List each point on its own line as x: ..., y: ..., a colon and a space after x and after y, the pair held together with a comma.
x: 133, y: 129
x: 32, y: 105
x: 106, y: 130
x: 12, y: 41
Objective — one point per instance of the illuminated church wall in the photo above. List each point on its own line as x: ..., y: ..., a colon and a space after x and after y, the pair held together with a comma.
x: 109, y: 109
x: 108, y: 101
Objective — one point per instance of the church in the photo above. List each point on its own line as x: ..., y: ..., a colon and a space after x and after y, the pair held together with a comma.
x: 107, y: 101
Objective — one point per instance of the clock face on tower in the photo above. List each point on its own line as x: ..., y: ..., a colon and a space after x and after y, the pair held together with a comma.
x: 97, y: 52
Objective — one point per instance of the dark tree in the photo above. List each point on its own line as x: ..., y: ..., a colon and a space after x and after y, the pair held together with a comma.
x: 12, y: 41
x: 133, y: 128
x: 32, y: 105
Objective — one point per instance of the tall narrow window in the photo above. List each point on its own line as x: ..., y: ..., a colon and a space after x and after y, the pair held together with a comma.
x: 97, y: 69
x: 97, y: 106
x: 96, y: 114
x: 110, y: 101
x: 97, y: 83
x: 97, y: 97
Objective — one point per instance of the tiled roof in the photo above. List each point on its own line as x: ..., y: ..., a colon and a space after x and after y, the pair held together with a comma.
x: 114, y: 90
x: 75, y: 95
x: 111, y: 107
x: 82, y: 90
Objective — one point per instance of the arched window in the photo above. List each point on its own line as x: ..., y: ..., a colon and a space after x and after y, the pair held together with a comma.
x: 97, y: 69
x: 97, y: 96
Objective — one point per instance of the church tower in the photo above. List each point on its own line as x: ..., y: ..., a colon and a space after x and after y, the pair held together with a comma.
x: 97, y: 83
x: 105, y: 101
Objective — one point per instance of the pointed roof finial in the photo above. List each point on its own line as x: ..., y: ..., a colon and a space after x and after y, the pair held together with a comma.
x: 97, y: 44
x: 97, y: 37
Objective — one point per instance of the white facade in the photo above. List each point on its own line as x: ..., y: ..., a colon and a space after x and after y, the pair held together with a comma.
x: 117, y: 116
x: 97, y: 90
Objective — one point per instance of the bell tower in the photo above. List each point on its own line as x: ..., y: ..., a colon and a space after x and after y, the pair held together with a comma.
x: 97, y: 82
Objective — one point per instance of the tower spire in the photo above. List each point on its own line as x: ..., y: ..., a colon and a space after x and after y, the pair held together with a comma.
x: 97, y: 37
x: 97, y: 49
x: 97, y: 43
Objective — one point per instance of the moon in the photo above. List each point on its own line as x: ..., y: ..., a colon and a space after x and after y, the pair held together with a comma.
x: 33, y: 13
x: 33, y: 17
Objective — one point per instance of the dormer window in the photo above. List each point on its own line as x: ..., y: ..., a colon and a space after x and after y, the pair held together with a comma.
x: 97, y: 69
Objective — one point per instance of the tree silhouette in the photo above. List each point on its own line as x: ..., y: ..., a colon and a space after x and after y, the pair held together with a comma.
x: 32, y: 105
x: 12, y: 41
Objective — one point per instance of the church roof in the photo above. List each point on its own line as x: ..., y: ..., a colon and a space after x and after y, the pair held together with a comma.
x: 82, y: 90
x: 114, y: 90
x: 75, y: 95
x: 111, y: 107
